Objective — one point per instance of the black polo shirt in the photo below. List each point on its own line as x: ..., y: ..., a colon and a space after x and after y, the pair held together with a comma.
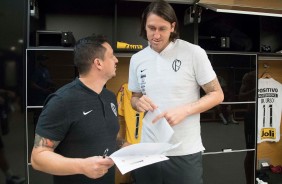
x: 85, y: 122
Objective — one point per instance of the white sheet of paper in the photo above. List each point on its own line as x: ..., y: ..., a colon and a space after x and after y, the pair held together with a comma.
x: 139, y: 155
x: 127, y: 164
x: 160, y: 131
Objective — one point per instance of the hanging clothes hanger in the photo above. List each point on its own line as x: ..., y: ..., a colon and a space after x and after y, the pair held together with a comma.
x: 266, y: 74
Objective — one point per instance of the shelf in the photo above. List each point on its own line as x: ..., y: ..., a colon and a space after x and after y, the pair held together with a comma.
x: 34, y: 107
x: 251, y: 7
x: 169, y: 1
x: 59, y: 48
x: 223, y: 152
x: 124, y: 54
x: 270, y: 56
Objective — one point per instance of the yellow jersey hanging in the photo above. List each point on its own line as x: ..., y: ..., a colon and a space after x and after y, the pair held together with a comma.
x: 133, y: 119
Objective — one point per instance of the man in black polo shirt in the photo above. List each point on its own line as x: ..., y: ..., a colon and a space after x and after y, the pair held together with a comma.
x: 79, y: 121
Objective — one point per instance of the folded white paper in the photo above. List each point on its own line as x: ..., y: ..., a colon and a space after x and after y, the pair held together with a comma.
x: 159, y: 131
x: 139, y: 155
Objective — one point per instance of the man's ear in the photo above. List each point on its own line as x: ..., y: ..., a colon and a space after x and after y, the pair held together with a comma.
x: 173, y: 26
x: 98, y: 63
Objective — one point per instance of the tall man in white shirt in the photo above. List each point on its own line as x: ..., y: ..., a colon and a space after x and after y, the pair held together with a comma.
x: 168, y: 75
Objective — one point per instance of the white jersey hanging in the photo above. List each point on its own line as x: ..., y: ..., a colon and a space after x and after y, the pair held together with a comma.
x: 269, y: 110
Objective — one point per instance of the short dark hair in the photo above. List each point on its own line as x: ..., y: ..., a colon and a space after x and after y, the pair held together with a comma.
x: 87, y: 49
x: 164, y: 10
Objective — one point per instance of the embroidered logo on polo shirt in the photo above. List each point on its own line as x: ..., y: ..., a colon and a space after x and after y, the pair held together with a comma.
x: 85, y: 113
x: 114, y: 109
x: 176, y: 65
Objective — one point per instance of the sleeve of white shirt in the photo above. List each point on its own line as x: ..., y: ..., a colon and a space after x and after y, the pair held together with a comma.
x: 132, y: 78
x: 202, y: 66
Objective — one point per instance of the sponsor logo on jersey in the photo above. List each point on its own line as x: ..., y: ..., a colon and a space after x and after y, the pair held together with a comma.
x: 268, y: 133
x: 143, y: 81
x: 268, y: 90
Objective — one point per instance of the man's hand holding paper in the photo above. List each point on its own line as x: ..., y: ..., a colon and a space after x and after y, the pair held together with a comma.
x: 154, y: 144
x: 139, y: 155
x: 159, y: 131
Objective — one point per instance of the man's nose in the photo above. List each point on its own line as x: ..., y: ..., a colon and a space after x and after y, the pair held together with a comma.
x: 157, y: 34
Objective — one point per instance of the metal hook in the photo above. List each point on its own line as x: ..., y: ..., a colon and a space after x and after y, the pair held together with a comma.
x: 265, y: 66
x: 266, y: 73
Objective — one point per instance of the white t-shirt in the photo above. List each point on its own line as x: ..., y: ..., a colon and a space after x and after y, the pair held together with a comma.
x: 173, y: 78
x: 269, y: 110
